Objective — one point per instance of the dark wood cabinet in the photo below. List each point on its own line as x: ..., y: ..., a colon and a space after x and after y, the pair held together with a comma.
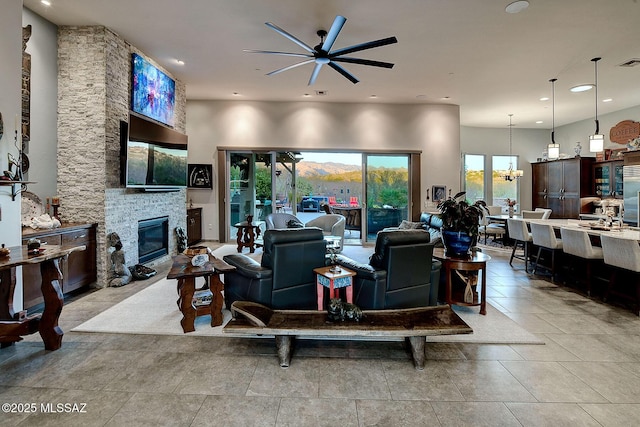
x: 607, y: 179
x: 78, y: 270
x: 194, y: 225
x: 560, y: 185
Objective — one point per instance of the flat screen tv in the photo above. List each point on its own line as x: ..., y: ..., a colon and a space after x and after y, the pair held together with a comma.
x: 153, y: 92
x: 154, y: 158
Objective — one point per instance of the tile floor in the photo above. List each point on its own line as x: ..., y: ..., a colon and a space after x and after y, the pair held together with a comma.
x: 587, y: 374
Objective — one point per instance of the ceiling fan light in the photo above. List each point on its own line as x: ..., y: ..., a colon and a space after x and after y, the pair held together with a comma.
x: 596, y: 143
x: 553, y: 151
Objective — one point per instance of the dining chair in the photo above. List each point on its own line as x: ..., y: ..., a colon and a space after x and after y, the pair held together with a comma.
x: 544, y: 236
x: 576, y: 242
x: 519, y: 232
x: 546, y: 213
x: 531, y: 214
x: 487, y: 228
x: 624, y: 256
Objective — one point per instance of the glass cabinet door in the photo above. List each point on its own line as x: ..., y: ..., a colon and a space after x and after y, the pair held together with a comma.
x: 618, y: 181
x: 602, y: 180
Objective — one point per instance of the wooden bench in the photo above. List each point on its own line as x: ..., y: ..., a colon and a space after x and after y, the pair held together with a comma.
x: 413, y: 324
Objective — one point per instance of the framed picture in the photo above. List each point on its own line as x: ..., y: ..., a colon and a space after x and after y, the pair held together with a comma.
x: 439, y: 193
x: 200, y: 176
x: 153, y: 92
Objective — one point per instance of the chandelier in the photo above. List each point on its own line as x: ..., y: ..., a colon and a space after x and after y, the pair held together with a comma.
x: 511, y: 173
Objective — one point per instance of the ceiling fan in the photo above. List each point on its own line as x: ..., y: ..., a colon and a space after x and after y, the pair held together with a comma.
x: 322, y: 54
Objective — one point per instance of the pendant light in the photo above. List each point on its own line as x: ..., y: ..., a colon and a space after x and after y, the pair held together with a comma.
x: 553, y: 148
x: 596, y: 141
x: 511, y: 173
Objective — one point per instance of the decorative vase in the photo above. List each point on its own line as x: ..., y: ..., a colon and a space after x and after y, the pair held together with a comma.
x: 456, y: 243
x: 510, y: 211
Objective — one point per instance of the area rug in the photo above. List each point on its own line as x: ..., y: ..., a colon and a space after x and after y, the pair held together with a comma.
x: 158, y: 314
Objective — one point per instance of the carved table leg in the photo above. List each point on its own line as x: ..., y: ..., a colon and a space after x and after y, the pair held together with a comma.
x: 284, y: 347
x: 187, y: 287
x: 239, y: 238
x: 53, y: 301
x: 216, y: 302
x: 249, y: 239
x: 417, y: 351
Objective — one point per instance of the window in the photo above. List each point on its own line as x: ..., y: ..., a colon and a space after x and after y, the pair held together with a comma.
x: 474, y: 177
x: 503, y: 189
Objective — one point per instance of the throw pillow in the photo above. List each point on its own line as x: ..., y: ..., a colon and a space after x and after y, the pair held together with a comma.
x: 408, y: 225
x: 294, y: 223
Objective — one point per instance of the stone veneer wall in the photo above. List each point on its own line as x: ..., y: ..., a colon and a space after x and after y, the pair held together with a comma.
x: 94, y: 75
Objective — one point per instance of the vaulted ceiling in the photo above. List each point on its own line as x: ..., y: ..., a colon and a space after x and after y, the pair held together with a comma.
x: 465, y: 52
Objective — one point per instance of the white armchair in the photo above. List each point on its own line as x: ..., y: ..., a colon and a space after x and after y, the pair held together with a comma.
x: 331, y: 225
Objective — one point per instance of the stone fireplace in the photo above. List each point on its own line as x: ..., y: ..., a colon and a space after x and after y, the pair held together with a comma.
x: 153, y: 238
x: 94, y: 79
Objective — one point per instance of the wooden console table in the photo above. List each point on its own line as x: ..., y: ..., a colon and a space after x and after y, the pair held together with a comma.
x: 12, y: 328
x: 186, y: 274
x: 414, y: 324
x: 248, y: 233
x: 476, y: 262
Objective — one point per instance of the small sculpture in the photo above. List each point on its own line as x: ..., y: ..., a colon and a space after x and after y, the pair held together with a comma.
x: 577, y: 149
x: 182, y: 239
x: 341, y: 311
x: 121, y: 274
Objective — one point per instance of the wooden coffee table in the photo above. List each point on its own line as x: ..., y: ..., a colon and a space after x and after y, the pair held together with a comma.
x: 186, y: 274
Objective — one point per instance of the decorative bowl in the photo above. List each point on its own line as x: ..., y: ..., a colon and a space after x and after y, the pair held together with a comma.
x: 196, y: 250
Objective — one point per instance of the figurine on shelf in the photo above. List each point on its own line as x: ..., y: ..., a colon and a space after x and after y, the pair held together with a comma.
x: 577, y: 149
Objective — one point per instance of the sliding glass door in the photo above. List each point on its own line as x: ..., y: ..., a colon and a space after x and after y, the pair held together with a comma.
x: 387, y: 190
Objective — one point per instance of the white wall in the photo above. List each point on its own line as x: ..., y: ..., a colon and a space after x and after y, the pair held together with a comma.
x: 42, y: 149
x: 432, y: 129
x: 10, y: 107
x: 568, y: 135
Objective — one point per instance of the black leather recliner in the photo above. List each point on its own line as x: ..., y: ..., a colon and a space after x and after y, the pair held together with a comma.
x: 400, y: 273
x: 284, y: 279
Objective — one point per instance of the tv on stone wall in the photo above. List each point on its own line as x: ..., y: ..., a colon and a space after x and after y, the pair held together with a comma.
x: 153, y: 92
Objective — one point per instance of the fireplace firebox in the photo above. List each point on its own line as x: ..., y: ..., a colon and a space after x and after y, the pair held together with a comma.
x: 153, y: 238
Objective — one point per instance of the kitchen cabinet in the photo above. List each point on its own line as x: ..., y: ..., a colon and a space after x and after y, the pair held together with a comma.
x: 78, y: 270
x: 194, y: 225
x: 560, y: 185
x: 607, y: 179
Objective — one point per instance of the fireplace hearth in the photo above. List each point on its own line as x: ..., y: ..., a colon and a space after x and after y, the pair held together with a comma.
x: 153, y: 238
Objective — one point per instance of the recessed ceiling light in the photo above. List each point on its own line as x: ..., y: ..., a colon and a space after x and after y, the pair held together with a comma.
x: 446, y: 97
x: 373, y: 96
x: 236, y: 94
x: 179, y: 62
x: 516, y: 6
x: 306, y: 95
x: 421, y: 96
x: 539, y: 122
x: 581, y: 88
x: 45, y: 2
x: 607, y: 100
x: 544, y: 98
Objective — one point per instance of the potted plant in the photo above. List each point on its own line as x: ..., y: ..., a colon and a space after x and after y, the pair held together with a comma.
x: 460, y: 224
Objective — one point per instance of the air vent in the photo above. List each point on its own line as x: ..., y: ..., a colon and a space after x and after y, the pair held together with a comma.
x: 321, y: 92
x: 631, y: 63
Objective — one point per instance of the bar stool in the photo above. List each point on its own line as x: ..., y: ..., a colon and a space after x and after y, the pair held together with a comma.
x: 577, y: 243
x: 545, y: 238
x: 625, y: 255
x: 519, y: 232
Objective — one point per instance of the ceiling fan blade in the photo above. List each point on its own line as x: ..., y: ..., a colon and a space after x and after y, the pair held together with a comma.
x: 314, y: 74
x: 290, y: 37
x: 308, y: 61
x: 271, y: 52
x: 364, y: 46
x: 333, y: 32
x: 363, y: 62
x: 344, y: 72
